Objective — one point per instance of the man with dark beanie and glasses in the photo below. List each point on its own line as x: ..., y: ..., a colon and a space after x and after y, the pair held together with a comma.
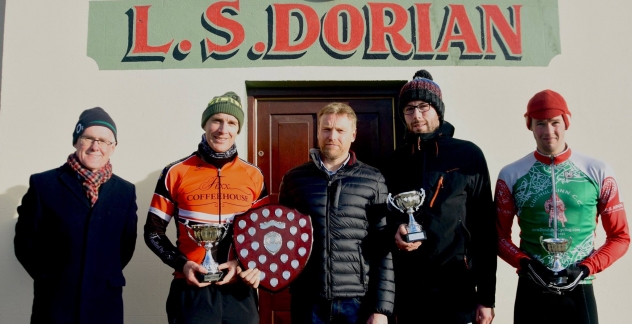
x: 208, y: 189
x: 76, y: 230
x: 450, y: 277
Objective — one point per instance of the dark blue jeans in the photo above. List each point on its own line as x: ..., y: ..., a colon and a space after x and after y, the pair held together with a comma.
x: 309, y: 310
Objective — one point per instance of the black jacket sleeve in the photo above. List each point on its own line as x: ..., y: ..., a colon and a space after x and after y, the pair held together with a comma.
x: 128, y: 238
x: 382, y: 276
x: 481, y: 221
x: 26, y: 230
x: 159, y: 243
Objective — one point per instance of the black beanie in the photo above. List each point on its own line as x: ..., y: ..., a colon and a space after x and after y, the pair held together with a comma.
x: 93, y: 117
x: 422, y: 88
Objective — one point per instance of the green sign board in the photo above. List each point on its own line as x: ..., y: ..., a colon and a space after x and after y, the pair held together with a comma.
x: 170, y: 34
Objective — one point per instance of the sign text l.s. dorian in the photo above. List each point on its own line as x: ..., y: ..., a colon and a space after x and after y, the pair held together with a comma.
x: 158, y: 34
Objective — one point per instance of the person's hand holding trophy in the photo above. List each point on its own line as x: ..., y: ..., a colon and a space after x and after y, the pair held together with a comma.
x: 408, y: 202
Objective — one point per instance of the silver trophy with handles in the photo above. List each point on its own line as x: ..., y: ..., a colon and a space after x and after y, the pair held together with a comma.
x: 408, y: 202
x: 208, y: 235
x: 556, y: 247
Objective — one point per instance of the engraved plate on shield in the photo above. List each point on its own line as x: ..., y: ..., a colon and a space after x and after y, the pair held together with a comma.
x: 272, y: 242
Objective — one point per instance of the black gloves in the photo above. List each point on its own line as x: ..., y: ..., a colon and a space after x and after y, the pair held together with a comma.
x: 548, y: 279
x: 538, y: 272
x: 575, y: 274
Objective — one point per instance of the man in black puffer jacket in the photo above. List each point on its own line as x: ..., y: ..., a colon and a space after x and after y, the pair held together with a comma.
x: 349, y: 275
x: 452, y: 274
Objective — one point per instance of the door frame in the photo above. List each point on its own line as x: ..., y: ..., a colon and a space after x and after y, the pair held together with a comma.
x: 257, y: 90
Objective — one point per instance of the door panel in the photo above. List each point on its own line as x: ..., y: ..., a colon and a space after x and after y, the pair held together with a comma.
x: 291, y: 137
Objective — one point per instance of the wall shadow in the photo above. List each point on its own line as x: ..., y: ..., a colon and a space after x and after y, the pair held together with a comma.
x: 148, y: 279
x: 17, y: 285
x: 9, y: 202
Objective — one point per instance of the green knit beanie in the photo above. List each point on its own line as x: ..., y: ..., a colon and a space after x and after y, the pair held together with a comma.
x: 228, y: 103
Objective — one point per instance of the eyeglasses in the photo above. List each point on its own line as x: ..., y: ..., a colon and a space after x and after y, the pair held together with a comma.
x: 423, y: 107
x: 88, y: 141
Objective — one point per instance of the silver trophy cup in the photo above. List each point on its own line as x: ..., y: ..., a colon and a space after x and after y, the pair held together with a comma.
x: 208, y: 235
x: 556, y: 247
x: 408, y: 202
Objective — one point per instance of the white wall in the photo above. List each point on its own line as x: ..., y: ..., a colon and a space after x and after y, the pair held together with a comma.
x: 47, y: 80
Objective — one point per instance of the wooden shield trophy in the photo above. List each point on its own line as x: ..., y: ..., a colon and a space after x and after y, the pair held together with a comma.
x: 276, y: 240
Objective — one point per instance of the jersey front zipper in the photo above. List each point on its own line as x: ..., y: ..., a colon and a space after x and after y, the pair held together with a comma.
x: 219, y: 190
x: 554, y: 196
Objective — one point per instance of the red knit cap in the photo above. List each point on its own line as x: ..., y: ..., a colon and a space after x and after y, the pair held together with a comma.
x: 547, y: 104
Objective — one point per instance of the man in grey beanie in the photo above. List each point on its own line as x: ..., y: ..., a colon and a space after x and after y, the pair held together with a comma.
x: 208, y: 188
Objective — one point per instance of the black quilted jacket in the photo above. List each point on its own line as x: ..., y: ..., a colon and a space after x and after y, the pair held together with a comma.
x: 349, y: 257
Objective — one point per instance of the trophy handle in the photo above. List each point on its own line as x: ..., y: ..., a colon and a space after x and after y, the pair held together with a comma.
x: 542, y: 244
x: 570, y: 241
x: 391, y: 202
x: 188, y: 230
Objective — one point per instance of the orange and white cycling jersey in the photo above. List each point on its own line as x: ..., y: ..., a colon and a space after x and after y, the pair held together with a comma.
x: 196, y: 192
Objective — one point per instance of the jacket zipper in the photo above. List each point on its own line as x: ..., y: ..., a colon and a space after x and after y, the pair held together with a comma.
x: 362, y: 274
x: 439, y: 185
x: 328, y: 270
x: 554, y: 196
x: 219, y: 190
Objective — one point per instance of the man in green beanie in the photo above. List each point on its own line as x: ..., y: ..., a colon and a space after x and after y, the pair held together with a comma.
x: 208, y: 188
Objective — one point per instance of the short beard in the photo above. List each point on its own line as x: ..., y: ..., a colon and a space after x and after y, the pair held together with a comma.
x: 328, y: 154
x: 430, y: 130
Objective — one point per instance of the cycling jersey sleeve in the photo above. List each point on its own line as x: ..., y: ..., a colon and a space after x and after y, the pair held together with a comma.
x: 505, y: 211
x: 159, y: 243
x: 613, y: 217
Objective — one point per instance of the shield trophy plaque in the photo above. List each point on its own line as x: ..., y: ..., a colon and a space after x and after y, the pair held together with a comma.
x: 208, y: 235
x: 276, y: 240
x: 408, y: 202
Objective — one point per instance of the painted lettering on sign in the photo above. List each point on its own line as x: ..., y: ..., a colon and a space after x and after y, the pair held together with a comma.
x: 231, y: 34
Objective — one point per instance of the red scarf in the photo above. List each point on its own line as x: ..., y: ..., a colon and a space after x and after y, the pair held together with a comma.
x: 92, y: 179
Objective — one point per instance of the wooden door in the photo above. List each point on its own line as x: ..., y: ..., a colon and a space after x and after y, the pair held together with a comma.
x: 283, y: 129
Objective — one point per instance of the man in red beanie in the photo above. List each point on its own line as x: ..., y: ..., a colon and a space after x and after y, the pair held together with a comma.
x: 557, y: 195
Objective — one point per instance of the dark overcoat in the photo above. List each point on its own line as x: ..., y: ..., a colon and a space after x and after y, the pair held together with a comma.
x: 76, y: 253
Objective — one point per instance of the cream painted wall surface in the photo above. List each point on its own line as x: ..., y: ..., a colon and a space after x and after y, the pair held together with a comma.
x: 47, y: 80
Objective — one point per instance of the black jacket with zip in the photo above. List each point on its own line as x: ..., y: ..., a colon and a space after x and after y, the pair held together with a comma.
x: 457, y: 214
x: 348, y: 256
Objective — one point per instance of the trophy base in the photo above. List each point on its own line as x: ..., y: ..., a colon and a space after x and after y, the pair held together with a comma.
x: 415, y: 237
x: 560, y: 281
x: 210, y: 277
